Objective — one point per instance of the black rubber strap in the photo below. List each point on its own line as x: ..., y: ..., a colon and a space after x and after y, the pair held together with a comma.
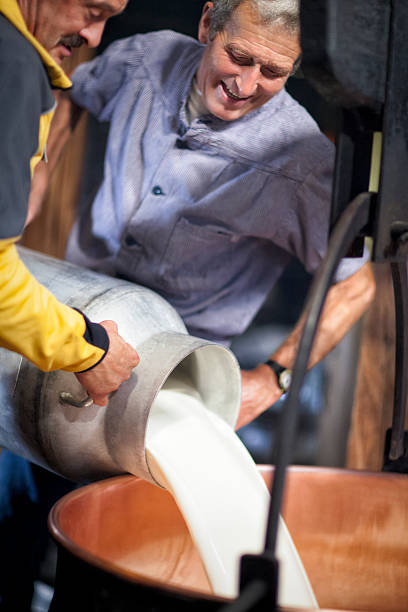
x: 276, y: 367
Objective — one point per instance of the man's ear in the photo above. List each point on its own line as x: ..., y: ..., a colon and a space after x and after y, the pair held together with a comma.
x: 204, y: 25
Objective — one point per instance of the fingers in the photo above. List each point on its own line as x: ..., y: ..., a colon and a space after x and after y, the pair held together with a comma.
x: 100, y: 400
x: 116, y: 367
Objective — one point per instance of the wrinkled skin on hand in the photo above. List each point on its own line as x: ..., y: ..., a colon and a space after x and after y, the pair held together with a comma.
x: 259, y: 391
x: 115, y: 368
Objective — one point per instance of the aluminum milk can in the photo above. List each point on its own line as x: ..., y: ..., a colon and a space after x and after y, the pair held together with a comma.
x: 92, y: 442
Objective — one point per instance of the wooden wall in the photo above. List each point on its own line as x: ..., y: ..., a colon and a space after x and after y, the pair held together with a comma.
x: 373, y: 404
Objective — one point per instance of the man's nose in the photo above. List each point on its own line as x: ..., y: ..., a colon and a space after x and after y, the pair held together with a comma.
x: 93, y: 33
x: 247, y: 81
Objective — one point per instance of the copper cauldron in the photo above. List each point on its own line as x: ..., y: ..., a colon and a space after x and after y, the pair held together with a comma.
x: 123, y: 544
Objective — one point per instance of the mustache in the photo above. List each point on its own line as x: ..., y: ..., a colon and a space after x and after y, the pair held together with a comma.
x: 74, y: 40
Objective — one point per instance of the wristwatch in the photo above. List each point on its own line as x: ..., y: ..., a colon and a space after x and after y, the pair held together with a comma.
x: 284, y: 375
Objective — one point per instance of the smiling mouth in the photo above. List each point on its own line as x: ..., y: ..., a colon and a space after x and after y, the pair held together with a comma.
x: 231, y: 94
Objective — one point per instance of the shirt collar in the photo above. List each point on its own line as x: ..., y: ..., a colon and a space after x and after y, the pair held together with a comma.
x: 195, y: 104
x: 57, y: 76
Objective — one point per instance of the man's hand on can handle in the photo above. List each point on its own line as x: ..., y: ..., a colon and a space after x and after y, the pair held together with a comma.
x: 115, y: 368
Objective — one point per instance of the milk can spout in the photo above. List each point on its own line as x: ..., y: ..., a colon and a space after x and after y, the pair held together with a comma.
x: 47, y: 418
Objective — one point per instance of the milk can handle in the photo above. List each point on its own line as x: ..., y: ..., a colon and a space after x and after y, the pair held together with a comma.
x: 68, y: 399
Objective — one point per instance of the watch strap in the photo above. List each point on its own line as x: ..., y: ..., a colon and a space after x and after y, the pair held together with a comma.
x: 276, y: 367
x: 283, y: 374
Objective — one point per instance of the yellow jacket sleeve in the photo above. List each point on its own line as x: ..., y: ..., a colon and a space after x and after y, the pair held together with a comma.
x: 35, y: 324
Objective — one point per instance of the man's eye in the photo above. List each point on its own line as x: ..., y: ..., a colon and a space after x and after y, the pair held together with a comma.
x: 269, y: 73
x: 239, y: 59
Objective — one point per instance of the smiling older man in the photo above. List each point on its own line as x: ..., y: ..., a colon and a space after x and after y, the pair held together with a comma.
x: 214, y: 179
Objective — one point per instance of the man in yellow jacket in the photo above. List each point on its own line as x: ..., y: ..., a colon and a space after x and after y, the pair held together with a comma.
x: 35, y: 36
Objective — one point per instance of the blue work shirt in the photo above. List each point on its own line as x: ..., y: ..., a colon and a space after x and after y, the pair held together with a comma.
x: 209, y: 214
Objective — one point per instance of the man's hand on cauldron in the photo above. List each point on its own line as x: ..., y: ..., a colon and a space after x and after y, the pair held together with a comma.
x: 260, y: 390
x: 115, y: 368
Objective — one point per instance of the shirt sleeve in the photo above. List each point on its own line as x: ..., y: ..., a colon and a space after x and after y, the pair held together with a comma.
x: 35, y: 324
x: 97, y: 83
x: 314, y: 201
x: 350, y: 265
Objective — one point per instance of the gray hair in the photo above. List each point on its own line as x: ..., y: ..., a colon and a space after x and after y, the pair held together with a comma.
x: 284, y: 13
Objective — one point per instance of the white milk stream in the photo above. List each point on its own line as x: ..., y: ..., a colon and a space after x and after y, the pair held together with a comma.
x: 194, y: 454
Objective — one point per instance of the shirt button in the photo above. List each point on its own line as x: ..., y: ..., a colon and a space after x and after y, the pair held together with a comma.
x: 157, y: 190
x: 181, y: 144
x: 130, y: 241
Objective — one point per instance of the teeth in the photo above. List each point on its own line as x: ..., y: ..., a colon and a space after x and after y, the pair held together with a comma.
x: 233, y: 95
x: 230, y: 93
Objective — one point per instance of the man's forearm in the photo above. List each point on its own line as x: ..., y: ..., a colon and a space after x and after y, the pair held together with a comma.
x: 345, y: 303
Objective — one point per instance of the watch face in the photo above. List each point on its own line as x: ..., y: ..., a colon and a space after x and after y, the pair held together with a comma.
x: 285, y: 379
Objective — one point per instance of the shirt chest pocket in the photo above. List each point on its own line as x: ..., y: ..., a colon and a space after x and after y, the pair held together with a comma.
x: 200, y: 257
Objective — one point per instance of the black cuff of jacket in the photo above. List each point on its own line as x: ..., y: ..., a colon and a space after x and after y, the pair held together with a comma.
x: 97, y: 335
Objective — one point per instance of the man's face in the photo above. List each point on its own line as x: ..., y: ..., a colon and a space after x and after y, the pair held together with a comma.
x: 245, y: 64
x: 60, y: 25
